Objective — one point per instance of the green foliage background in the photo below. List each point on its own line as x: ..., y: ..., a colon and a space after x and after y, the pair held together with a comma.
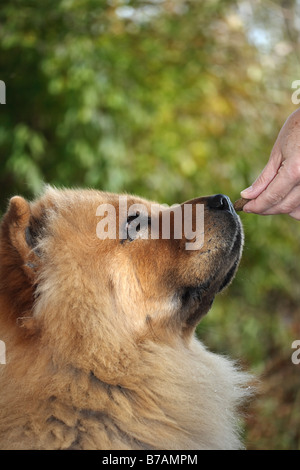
x: 169, y: 100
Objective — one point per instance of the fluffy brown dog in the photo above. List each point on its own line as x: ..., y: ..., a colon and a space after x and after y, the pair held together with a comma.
x: 99, y: 333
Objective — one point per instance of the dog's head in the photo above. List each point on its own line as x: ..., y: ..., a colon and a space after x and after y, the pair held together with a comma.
x: 83, y: 267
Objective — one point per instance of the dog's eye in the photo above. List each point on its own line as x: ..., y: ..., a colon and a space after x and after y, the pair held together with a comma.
x: 136, y: 223
x: 130, y: 219
x: 132, y: 226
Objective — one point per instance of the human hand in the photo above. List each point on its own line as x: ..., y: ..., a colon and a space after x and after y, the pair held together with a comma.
x: 277, y: 188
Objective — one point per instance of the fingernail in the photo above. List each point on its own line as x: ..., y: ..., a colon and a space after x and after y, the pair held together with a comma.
x: 246, y: 191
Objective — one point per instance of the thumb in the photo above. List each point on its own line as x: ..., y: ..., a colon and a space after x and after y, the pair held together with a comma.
x: 264, y: 179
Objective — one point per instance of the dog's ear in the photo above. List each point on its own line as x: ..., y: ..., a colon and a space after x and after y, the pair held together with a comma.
x: 18, y: 257
x: 17, y: 221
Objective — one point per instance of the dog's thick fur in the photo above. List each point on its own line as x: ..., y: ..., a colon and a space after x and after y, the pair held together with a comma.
x: 99, y: 334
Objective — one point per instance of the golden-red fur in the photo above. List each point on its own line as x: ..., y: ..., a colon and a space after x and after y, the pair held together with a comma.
x: 99, y: 334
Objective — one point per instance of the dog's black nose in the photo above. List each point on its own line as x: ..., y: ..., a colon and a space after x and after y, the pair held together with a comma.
x: 219, y: 202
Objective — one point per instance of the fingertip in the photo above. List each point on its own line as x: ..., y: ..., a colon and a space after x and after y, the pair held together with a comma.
x: 245, y: 193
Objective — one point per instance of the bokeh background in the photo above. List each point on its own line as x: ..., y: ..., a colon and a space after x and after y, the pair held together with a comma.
x: 169, y: 100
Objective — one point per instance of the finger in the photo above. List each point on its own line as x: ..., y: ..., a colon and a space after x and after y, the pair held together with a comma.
x: 287, y: 205
x: 274, y: 194
x: 265, y: 177
x: 296, y: 213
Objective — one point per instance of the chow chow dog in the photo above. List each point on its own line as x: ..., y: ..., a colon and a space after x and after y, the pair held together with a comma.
x: 101, y: 351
